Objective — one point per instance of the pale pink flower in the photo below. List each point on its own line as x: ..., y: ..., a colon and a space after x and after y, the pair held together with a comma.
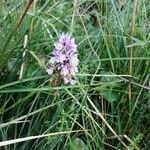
x: 65, y: 59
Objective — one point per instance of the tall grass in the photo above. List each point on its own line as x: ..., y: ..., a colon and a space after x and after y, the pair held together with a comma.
x: 108, y: 108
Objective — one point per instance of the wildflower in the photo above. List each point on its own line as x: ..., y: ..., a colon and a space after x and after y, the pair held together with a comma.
x: 64, y: 59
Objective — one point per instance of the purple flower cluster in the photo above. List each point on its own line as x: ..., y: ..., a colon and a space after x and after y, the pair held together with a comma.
x: 64, y: 59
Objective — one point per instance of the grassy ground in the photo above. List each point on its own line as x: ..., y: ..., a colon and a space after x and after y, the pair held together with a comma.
x: 109, y: 106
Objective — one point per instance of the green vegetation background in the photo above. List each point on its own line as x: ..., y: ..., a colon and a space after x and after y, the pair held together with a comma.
x: 98, y: 109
